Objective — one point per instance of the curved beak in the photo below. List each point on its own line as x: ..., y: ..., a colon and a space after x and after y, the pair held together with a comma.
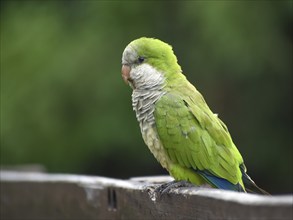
x: 125, y: 73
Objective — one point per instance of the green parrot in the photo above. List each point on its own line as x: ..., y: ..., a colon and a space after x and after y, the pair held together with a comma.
x: 181, y: 131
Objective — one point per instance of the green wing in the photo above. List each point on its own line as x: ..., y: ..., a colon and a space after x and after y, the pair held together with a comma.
x: 196, y: 138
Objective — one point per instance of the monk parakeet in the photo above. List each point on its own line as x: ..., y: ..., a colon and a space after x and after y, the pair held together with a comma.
x: 181, y: 131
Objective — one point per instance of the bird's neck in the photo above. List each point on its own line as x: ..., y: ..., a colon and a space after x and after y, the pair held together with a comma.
x: 143, y: 103
x: 148, y: 84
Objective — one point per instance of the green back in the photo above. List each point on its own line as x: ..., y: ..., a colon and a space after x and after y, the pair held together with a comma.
x: 192, y: 135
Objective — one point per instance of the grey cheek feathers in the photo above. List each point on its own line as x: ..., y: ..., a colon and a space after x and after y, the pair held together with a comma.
x: 147, y: 77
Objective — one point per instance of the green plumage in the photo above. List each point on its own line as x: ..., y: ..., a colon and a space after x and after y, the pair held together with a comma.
x: 195, y: 137
x: 185, y: 136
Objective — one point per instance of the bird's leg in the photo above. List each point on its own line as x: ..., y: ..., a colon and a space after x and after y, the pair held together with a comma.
x: 166, y: 187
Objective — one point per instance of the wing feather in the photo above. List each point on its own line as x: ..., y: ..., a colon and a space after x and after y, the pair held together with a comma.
x: 195, y: 137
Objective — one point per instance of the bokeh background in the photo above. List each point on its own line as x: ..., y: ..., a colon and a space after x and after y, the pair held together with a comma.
x: 65, y: 106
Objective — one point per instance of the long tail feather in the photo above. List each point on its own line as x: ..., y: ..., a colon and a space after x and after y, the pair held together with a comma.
x: 249, y: 184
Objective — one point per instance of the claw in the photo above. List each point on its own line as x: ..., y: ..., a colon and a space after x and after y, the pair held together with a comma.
x: 167, y: 187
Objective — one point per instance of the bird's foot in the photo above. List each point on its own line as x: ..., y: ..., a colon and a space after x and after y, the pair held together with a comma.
x: 167, y: 187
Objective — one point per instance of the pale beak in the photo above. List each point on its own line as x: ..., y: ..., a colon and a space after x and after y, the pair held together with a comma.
x: 125, y: 73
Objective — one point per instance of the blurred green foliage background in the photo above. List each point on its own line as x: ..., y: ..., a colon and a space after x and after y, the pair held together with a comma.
x: 64, y: 104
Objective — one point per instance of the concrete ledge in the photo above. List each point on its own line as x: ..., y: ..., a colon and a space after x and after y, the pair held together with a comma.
x: 40, y: 196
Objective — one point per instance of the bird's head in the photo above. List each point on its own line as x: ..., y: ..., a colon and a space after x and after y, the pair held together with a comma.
x: 148, y: 62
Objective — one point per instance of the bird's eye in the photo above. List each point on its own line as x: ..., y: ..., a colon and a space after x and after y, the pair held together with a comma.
x: 140, y: 59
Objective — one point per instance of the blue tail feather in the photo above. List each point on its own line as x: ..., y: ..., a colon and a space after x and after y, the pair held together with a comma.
x: 219, y: 182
